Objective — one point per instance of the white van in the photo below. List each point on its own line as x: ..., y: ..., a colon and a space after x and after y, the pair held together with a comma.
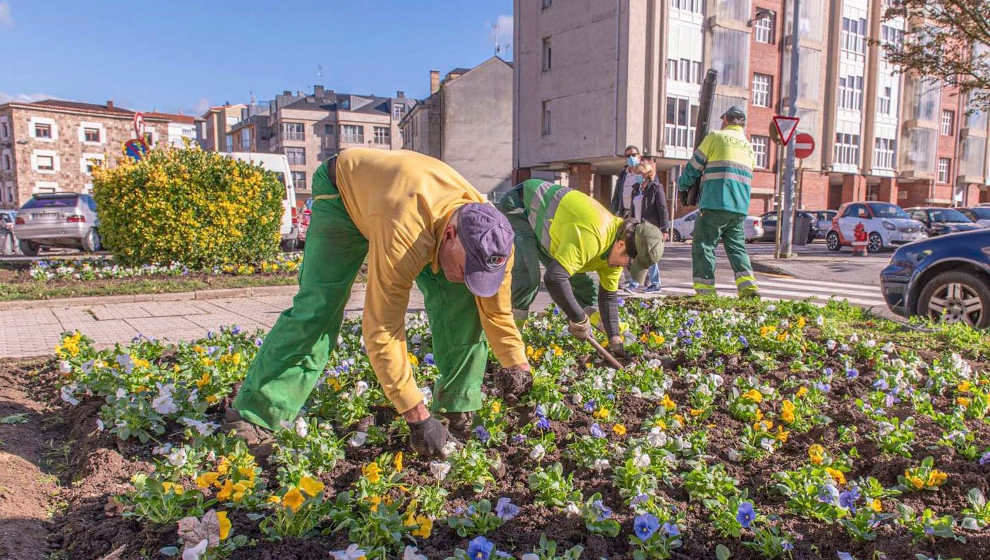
x: 278, y: 164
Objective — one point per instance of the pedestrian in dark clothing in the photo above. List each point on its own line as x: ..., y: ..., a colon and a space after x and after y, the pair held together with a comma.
x: 650, y: 205
x: 622, y: 197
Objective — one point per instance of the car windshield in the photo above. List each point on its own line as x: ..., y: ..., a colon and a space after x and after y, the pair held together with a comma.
x: 981, y: 213
x: 55, y: 202
x: 887, y: 211
x: 949, y: 215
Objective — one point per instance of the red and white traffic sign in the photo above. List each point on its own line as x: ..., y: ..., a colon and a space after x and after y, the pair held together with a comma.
x: 804, y: 145
x: 139, y: 125
x: 785, y: 127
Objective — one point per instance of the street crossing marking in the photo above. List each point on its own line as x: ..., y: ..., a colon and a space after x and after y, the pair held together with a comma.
x: 795, y: 289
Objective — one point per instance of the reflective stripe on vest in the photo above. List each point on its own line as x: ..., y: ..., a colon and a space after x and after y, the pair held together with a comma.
x: 541, y: 207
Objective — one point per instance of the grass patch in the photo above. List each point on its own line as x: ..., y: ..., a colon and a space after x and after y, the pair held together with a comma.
x: 129, y: 286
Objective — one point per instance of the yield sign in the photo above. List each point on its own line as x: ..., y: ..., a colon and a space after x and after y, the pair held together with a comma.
x: 804, y: 145
x: 785, y: 127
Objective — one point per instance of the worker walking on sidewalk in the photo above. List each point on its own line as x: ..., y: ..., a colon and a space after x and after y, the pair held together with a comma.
x: 724, y: 161
x: 415, y: 219
x: 572, y: 235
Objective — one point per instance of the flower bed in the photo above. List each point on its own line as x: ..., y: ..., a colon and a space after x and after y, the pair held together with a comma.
x: 99, y: 269
x: 746, y: 430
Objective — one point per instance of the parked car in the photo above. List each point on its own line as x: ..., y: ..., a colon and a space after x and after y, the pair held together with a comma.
x: 945, y: 278
x: 8, y: 242
x: 979, y: 214
x: 939, y: 221
x: 886, y: 225
x: 278, y: 164
x: 769, y: 221
x: 58, y: 220
x: 303, y: 220
x: 684, y: 227
x: 824, y: 219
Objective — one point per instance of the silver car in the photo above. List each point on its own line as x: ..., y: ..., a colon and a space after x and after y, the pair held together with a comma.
x: 8, y: 243
x: 58, y: 220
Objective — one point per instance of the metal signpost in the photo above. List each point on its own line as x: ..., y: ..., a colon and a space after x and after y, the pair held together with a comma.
x: 784, y: 226
x: 782, y: 130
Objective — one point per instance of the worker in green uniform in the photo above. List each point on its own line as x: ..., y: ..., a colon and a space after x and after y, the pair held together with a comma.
x: 724, y: 161
x: 572, y: 234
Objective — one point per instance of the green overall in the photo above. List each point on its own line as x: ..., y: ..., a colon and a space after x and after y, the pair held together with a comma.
x: 529, y: 253
x: 296, y: 350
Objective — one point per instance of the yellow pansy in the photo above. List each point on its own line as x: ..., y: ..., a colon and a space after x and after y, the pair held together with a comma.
x: 372, y: 472
x: 601, y: 413
x: 397, y: 462
x: 619, y: 429
x: 801, y: 392
x: 274, y: 499
x: 753, y: 396
x: 293, y: 499
x: 667, y: 403
x: 226, y: 491
x: 173, y: 487
x: 964, y: 387
x: 817, y: 454
x: 696, y: 411
x: 310, y: 486
x: 212, y: 399
x: 801, y: 322
x: 782, y: 435
x: 246, y: 472
x: 224, y: 467
x: 496, y: 407
x: 876, y: 506
x: 374, y: 501
x: 425, y: 527
x: 224, y: 524
x: 915, y: 481
x: 936, y: 478
x: 836, y: 475
x: 963, y: 401
x: 787, y: 412
x: 207, y: 479
x: 657, y: 338
x: 413, y: 360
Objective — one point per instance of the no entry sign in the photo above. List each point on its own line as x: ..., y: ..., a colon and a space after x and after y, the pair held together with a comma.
x: 804, y: 145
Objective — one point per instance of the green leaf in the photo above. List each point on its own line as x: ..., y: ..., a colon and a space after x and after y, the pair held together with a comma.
x: 722, y: 552
x: 15, y: 419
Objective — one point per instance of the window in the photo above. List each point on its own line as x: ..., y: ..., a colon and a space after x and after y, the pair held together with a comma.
x: 684, y: 70
x: 883, y: 153
x: 398, y: 110
x: 547, y: 3
x: 91, y: 134
x: 6, y: 162
x: 45, y: 163
x: 42, y: 130
x: 4, y: 130
x: 943, y: 169
x: 230, y: 143
x: 382, y: 135
x: 547, y: 52
x: 88, y: 162
x: 765, y: 28
x: 892, y: 36
x: 328, y: 129
x: 246, y: 139
x: 545, y: 119
x: 853, y: 36
x: 846, y: 148
x: 293, y: 131
x: 761, y: 148
x: 299, y: 180
x: 352, y: 133
x: 851, y: 93
x: 693, y: 6
x: 884, y: 102
x: 296, y: 156
x: 679, y: 124
x: 948, y: 122
x: 762, y: 88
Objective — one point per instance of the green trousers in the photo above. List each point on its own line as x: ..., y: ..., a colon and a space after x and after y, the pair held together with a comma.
x: 528, y: 256
x: 296, y: 350
x: 729, y: 227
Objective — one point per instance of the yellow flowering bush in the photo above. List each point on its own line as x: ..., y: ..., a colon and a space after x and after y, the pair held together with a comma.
x: 190, y: 206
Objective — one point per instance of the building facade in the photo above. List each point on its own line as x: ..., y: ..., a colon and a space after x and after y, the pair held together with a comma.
x: 181, y: 129
x: 52, y: 145
x: 467, y: 122
x: 218, y: 122
x: 592, y: 77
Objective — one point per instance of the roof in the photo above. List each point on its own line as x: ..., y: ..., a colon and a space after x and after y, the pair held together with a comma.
x: 79, y: 106
x: 460, y: 70
x: 172, y: 117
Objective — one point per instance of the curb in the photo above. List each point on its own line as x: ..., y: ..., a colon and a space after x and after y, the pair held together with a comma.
x: 767, y: 268
x: 259, y: 291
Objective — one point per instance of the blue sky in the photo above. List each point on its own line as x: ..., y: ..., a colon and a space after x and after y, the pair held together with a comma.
x: 185, y: 55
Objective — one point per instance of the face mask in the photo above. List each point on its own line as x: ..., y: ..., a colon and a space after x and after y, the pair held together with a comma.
x: 631, y: 161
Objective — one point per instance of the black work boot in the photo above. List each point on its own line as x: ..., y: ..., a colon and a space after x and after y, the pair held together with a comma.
x: 459, y: 424
x: 260, y: 442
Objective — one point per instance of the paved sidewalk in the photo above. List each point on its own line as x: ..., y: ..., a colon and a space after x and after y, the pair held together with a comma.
x: 35, y: 331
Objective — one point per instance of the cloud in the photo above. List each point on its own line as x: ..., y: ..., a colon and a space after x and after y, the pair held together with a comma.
x: 501, y: 32
x: 24, y: 97
x: 6, y: 19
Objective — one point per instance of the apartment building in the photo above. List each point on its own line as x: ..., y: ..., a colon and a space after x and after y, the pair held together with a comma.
x: 467, y: 122
x: 218, y: 121
x: 592, y: 77
x: 52, y: 145
x: 181, y: 128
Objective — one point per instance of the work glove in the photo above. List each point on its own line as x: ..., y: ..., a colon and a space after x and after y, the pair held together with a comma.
x: 580, y: 330
x: 428, y: 437
x: 617, y: 350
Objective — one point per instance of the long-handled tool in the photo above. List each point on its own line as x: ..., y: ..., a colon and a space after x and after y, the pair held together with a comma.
x: 604, y: 353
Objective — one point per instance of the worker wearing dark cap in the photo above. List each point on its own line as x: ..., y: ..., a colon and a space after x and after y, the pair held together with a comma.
x: 724, y: 160
x: 414, y: 219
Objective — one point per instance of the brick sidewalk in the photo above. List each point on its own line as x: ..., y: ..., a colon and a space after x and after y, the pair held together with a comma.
x: 35, y: 331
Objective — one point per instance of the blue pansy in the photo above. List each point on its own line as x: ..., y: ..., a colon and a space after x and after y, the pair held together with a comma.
x: 745, y: 514
x: 480, y: 548
x: 645, y: 526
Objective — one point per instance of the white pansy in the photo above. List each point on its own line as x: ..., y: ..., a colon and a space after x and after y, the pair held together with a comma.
x: 412, y: 553
x: 427, y: 395
x: 302, y: 428
x: 888, y: 348
x: 67, y: 394
x: 820, y: 320
x: 203, y: 428
x: 163, y: 403
x: 360, y: 388
x: 766, y: 443
x: 121, y: 393
x: 871, y: 343
x: 358, y: 439
x: 656, y: 437
x: 196, y: 552
x: 830, y: 344
x: 99, y: 425
x: 351, y: 553
x: 177, y: 458
x: 439, y: 469
x: 600, y: 465
x: 529, y: 556
x: 641, y: 460
x: 449, y: 449
x: 577, y: 399
x: 538, y: 452
x: 733, y: 455
x: 64, y: 367
x: 573, y: 509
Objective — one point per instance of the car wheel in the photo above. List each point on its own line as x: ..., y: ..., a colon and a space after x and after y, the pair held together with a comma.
x: 289, y: 245
x: 874, y: 243
x: 29, y: 249
x: 91, y: 243
x: 677, y: 236
x: 832, y: 241
x: 956, y: 296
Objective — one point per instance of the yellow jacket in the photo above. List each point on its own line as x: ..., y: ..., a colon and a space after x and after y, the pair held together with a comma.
x: 401, y: 202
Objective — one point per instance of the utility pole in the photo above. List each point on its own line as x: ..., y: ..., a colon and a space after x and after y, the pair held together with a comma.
x: 786, y: 220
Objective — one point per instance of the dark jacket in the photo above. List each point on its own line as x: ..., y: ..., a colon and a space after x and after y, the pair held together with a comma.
x: 655, y: 209
x: 616, y: 206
